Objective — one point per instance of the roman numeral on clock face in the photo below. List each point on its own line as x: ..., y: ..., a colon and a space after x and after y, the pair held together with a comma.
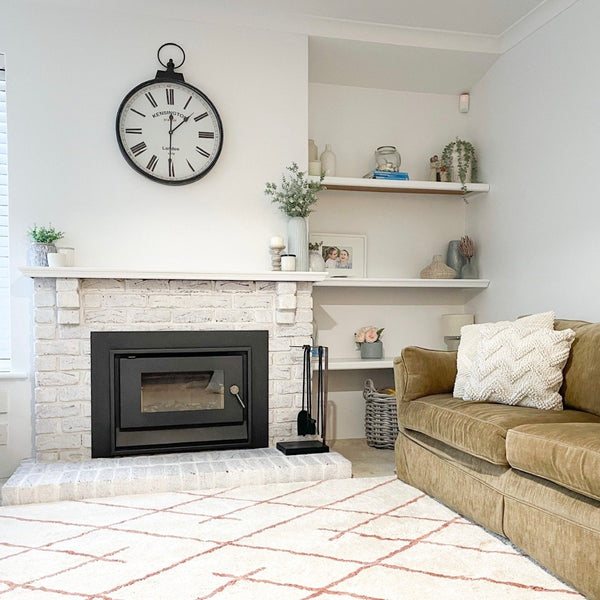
x: 138, y: 148
x: 200, y: 117
x: 206, y: 134
x: 152, y: 163
x: 171, y: 168
x: 189, y: 164
x: 170, y: 96
x: 137, y: 112
x: 203, y: 152
x: 186, y: 104
x: 151, y: 99
x: 137, y: 130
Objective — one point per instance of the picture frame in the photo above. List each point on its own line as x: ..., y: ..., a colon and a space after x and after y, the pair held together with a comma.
x: 345, y: 254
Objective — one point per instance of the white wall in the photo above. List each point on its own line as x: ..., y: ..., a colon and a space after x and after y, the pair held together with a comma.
x: 68, y: 68
x: 534, y: 118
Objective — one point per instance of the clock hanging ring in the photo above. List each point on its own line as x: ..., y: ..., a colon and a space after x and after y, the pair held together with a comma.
x: 167, y: 129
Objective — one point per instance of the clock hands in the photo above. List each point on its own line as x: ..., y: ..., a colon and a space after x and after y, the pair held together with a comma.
x: 180, y: 124
x: 170, y: 161
x: 171, y: 131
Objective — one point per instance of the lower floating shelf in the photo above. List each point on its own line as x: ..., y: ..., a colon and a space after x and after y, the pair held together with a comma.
x: 348, y: 364
x: 402, y: 283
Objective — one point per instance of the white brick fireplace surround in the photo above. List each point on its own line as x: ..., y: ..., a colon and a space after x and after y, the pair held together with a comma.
x: 72, y: 302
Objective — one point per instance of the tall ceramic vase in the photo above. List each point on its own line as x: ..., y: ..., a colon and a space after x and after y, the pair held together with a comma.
x: 454, y: 259
x: 298, y: 241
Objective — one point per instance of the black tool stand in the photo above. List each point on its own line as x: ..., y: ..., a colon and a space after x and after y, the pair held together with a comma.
x: 312, y: 446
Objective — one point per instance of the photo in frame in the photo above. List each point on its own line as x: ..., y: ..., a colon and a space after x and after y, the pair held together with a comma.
x: 345, y: 255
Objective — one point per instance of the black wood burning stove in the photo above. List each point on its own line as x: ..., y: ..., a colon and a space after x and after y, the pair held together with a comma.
x: 176, y: 391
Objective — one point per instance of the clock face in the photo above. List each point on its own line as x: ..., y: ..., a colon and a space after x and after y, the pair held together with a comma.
x: 169, y: 131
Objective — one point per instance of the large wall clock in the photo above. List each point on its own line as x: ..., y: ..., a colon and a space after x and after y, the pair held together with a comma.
x: 167, y: 129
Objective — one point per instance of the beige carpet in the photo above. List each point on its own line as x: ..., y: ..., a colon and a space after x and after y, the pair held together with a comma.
x: 370, y: 538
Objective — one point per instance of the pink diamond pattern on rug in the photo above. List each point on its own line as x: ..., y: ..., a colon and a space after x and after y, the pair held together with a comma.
x: 365, y: 539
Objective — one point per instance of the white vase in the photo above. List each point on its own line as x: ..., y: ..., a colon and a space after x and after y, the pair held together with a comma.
x: 315, y: 261
x: 328, y: 161
x: 298, y: 241
x: 313, y: 151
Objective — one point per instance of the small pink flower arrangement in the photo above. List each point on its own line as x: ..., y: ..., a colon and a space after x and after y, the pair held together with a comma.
x: 368, y: 334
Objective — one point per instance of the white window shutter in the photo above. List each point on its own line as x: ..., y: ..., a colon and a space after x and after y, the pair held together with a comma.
x: 4, y: 272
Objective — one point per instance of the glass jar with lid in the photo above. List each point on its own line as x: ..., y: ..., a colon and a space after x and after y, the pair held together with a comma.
x: 387, y: 159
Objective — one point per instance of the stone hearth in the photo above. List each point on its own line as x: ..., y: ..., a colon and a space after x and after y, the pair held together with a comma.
x: 70, y: 303
x: 106, y: 477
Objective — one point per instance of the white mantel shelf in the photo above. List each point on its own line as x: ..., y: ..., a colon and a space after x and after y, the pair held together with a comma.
x: 360, y: 184
x: 106, y: 273
x: 403, y: 283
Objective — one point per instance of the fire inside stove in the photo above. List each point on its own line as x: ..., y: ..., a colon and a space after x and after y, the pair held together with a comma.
x: 168, y: 392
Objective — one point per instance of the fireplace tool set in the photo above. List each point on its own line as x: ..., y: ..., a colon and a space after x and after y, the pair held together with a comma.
x: 309, y: 423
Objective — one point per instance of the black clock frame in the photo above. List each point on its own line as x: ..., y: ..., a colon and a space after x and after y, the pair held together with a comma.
x: 177, y: 78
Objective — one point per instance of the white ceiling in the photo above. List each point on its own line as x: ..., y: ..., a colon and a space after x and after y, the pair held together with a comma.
x: 484, y: 17
x: 392, y: 67
x: 434, y: 46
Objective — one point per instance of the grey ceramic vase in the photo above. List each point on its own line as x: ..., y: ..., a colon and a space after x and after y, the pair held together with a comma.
x: 371, y: 349
x: 38, y: 254
x: 454, y: 259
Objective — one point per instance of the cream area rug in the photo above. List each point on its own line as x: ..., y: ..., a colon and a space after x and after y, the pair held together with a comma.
x: 367, y: 539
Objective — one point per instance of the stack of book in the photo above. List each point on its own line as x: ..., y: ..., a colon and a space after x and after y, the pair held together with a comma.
x: 398, y: 175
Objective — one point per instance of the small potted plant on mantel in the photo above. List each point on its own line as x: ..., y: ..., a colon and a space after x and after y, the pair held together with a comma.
x: 42, y: 244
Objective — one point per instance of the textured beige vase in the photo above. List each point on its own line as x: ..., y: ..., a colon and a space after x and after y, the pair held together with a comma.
x: 438, y: 269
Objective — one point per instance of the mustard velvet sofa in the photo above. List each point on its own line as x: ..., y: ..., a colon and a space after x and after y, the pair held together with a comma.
x: 532, y: 476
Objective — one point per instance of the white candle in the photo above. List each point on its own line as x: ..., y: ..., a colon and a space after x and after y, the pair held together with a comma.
x: 277, y: 242
x: 288, y: 262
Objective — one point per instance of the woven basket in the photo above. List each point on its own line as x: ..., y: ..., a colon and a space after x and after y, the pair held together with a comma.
x: 381, y: 417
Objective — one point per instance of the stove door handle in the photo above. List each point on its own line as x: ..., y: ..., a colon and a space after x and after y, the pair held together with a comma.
x: 235, y: 390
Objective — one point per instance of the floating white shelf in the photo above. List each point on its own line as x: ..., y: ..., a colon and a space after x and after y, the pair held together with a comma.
x: 402, y: 283
x: 347, y: 364
x: 360, y: 184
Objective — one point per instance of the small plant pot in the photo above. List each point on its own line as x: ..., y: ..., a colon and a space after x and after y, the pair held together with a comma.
x: 38, y: 254
x: 371, y: 350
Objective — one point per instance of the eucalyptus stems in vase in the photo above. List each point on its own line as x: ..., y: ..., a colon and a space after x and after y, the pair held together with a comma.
x: 295, y: 197
x: 460, y: 162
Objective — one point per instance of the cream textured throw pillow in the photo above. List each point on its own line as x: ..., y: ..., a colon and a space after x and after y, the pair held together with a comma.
x: 469, y: 338
x: 519, y: 366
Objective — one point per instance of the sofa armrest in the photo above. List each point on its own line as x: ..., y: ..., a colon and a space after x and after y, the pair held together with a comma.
x: 421, y: 372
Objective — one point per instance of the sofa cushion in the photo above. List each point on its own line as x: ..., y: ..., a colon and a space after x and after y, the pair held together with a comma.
x: 519, y: 366
x: 470, y: 336
x: 581, y: 373
x: 478, y: 428
x: 423, y: 372
x: 567, y: 454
